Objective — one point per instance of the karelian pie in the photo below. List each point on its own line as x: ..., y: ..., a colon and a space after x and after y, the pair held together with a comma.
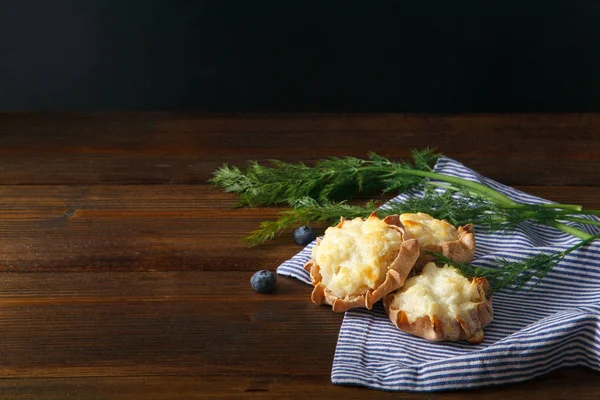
x: 438, y: 236
x: 441, y: 304
x: 359, y: 261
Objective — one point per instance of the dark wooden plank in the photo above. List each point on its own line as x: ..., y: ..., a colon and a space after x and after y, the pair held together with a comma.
x: 177, y: 148
x: 129, y: 228
x: 141, y: 324
x: 175, y: 335
x: 43, y: 288
x: 144, y: 227
x: 576, y: 383
x: 113, y: 286
x: 148, y: 227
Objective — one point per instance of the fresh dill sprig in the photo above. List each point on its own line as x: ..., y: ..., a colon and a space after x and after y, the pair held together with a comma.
x: 335, y: 179
x: 330, y: 179
x: 261, y: 186
x: 514, y: 275
x: 455, y: 207
x: 307, y: 210
x: 446, y: 205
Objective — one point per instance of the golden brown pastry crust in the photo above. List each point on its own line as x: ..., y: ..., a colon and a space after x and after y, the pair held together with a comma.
x: 395, y: 276
x: 461, y: 250
x: 431, y: 328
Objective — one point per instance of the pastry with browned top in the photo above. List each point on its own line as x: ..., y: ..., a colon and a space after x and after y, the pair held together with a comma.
x: 359, y: 261
x: 441, y: 304
x: 438, y: 236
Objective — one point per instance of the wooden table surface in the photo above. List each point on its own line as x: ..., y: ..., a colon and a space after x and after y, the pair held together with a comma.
x: 122, y: 273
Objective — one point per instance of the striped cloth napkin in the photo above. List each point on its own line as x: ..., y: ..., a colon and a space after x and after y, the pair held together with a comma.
x: 544, y: 327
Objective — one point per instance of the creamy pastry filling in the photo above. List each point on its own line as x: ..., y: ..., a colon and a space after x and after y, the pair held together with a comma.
x: 355, y: 257
x: 428, y: 230
x: 438, y: 292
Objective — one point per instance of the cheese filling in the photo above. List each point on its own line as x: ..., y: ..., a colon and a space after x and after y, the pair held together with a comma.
x: 428, y: 230
x: 438, y: 292
x: 355, y: 258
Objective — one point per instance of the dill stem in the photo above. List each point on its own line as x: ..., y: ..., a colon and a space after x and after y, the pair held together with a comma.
x: 570, y: 230
x: 569, y: 212
x: 555, y: 224
x: 483, y: 190
x: 454, y: 188
x: 581, y: 220
x: 590, y: 239
x: 478, y: 188
x: 566, y: 209
x: 574, y: 207
x: 584, y: 212
x: 446, y: 186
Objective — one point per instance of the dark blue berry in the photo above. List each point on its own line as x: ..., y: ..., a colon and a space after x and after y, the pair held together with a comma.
x: 304, y: 235
x: 263, y: 281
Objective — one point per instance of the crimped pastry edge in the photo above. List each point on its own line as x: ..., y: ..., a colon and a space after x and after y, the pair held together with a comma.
x: 395, y: 276
x: 430, y: 328
x: 460, y: 250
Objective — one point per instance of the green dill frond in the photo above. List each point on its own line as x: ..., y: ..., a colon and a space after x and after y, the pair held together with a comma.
x: 331, y: 179
x: 518, y: 273
x: 230, y: 179
x: 507, y: 275
x: 343, y: 178
x: 269, y: 229
x: 260, y: 185
x: 425, y: 159
x: 307, y: 210
x: 449, y: 205
x: 391, y: 176
x: 397, y: 182
x: 514, y: 275
x: 338, y: 179
x: 446, y: 205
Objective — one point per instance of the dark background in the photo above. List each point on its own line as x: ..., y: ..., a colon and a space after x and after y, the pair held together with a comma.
x: 436, y: 56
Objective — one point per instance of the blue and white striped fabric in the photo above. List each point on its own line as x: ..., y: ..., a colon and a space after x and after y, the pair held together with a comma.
x: 550, y: 325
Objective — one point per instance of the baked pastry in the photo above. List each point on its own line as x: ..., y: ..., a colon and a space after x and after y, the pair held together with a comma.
x: 438, y: 236
x: 359, y: 261
x: 441, y: 304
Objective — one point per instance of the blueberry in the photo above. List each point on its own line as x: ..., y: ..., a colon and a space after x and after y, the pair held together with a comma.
x: 263, y: 281
x: 304, y: 235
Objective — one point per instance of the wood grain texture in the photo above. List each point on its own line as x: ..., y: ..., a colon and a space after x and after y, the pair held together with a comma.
x: 575, y: 383
x: 152, y: 227
x: 122, y: 274
x: 130, y: 324
x: 174, y: 148
x: 170, y: 334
